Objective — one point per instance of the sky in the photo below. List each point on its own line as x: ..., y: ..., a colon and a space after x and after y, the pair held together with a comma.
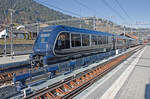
x: 136, y: 11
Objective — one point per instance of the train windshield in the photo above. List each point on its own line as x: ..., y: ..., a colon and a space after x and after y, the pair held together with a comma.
x: 44, y: 37
x: 42, y: 41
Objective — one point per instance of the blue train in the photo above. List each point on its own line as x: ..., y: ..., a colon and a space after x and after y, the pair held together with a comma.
x: 63, y: 49
x: 59, y: 43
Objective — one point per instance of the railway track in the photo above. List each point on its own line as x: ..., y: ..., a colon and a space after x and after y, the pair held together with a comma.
x: 72, y: 86
x: 8, y: 76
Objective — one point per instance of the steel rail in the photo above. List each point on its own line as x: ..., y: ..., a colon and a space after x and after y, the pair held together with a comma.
x: 8, y: 76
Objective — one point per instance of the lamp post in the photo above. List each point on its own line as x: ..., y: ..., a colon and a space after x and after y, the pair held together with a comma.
x: 5, y: 53
x: 107, y: 22
x: 38, y: 28
x: 124, y: 30
x: 131, y: 28
x: 113, y: 29
x: 11, y: 36
x: 94, y: 23
x: 80, y: 22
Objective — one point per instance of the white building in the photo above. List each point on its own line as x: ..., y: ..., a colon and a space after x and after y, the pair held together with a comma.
x: 3, y: 33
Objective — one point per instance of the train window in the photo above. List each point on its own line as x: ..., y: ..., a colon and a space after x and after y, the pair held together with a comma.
x: 63, y: 41
x: 100, y: 39
x: 94, y: 40
x: 76, y: 40
x: 85, y: 40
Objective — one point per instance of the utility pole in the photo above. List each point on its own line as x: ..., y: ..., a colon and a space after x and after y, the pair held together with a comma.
x: 131, y: 29
x: 80, y: 23
x: 138, y: 35
x: 107, y: 22
x: 5, y: 53
x: 37, y: 28
x: 113, y: 24
x: 11, y: 36
x: 113, y: 29
x: 124, y: 30
x: 130, y: 25
x: 94, y: 23
x: 107, y: 25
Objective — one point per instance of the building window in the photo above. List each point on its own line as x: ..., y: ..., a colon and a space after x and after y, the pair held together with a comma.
x: 94, y: 40
x: 76, y: 40
x: 63, y: 41
x: 85, y: 40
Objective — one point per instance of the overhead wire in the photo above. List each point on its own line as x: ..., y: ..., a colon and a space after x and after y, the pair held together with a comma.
x: 124, y: 10
x: 114, y: 10
x: 84, y: 5
x: 87, y: 7
x: 70, y: 12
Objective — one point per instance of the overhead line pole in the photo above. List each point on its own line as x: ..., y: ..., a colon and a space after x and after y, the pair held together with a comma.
x: 11, y: 36
x: 94, y: 23
x: 107, y: 23
x: 37, y: 28
x: 5, y: 50
x: 113, y: 29
x: 80, y: 23
x: 124, y: 30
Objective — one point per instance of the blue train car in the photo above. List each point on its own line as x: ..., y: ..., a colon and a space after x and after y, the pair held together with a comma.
x: 59, y: 43
x: 62, y: 49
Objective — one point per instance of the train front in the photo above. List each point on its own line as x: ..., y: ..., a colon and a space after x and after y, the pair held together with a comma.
x: 43, y: 46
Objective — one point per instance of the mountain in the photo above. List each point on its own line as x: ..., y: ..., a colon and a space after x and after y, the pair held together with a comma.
x: 28, y: 11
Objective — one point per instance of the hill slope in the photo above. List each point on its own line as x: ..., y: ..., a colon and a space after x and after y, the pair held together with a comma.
x: 28, y: 11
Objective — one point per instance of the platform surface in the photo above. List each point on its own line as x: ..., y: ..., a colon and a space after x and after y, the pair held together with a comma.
x: 8, y: 59
x: 137, y: 85
x: 134, y: 87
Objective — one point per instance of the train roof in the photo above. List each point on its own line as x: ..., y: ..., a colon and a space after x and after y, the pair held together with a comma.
x: 73, y: 29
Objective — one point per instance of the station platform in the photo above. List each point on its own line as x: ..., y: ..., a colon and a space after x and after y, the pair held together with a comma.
x: 8, y: 59
x: 137, y: 86
x: 129, y: 80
